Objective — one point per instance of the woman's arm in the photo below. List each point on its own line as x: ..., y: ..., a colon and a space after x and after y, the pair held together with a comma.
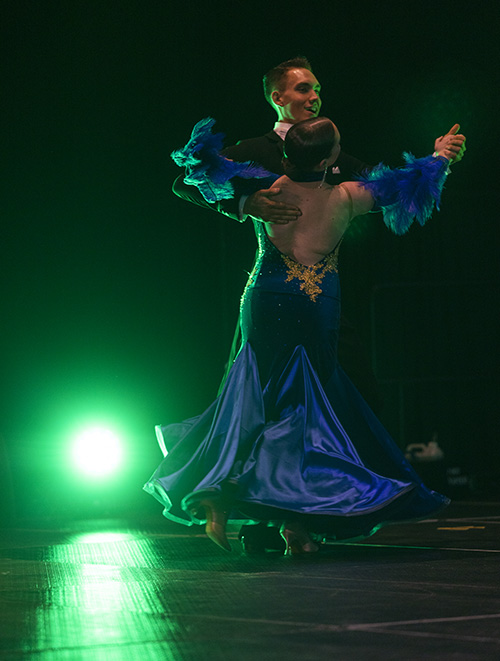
x: 403, y: 194
x: 362, y: 199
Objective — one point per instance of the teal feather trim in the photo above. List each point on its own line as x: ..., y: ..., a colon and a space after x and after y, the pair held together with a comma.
x: 207, y: 169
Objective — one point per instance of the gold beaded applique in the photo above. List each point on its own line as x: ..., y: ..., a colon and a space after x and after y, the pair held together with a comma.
x: 311, y: 277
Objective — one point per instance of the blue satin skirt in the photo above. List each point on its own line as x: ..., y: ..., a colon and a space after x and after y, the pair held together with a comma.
x: 289, y: 436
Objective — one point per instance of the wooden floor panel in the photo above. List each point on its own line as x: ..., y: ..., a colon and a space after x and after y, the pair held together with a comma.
x: 121, y: 590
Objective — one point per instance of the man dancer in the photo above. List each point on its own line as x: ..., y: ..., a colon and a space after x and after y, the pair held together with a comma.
x: 293, y: 90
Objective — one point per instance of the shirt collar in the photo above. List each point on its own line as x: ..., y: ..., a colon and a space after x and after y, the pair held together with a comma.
x: 282, y: 128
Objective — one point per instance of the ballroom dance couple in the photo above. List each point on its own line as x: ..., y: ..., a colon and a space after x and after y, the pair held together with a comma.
x: 290, y: 444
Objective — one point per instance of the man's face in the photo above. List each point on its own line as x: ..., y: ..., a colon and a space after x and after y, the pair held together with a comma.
x: 299, y: 99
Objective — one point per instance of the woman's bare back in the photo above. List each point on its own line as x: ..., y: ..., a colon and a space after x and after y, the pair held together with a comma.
x: 326, y: 213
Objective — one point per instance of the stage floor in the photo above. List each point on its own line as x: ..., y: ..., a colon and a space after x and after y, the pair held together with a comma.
x: 112, y: 590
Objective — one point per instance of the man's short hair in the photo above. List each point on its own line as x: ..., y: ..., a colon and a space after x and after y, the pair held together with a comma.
x: 275, y: 78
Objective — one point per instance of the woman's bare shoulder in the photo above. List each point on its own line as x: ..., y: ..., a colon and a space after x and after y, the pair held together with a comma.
x: 281, y: 182
x: 361, y: 198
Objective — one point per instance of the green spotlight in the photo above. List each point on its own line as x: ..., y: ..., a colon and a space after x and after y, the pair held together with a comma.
x: 97, y: 452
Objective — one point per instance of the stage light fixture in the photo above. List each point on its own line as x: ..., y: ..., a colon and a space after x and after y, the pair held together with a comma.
x: 97, y: 452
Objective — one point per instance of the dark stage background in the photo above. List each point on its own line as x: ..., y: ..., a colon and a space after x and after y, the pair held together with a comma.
x: 119, y: 300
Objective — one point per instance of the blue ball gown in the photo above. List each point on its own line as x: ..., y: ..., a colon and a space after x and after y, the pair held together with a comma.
x: 290, y: 436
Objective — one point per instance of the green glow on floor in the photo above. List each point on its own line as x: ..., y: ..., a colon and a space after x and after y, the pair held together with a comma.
x: 103, y: 537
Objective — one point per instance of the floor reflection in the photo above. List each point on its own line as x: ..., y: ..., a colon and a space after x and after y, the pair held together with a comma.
x: 90, y: 591
x: 94, y: 592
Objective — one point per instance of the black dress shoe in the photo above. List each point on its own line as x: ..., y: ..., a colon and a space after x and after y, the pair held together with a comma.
x: 261, y: 538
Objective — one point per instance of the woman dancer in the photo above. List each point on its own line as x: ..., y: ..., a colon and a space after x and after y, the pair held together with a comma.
x: 290, y: 440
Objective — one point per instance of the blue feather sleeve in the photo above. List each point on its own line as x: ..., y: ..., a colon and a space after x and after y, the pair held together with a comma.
x: 408, y: 193
x: 211, y: 172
